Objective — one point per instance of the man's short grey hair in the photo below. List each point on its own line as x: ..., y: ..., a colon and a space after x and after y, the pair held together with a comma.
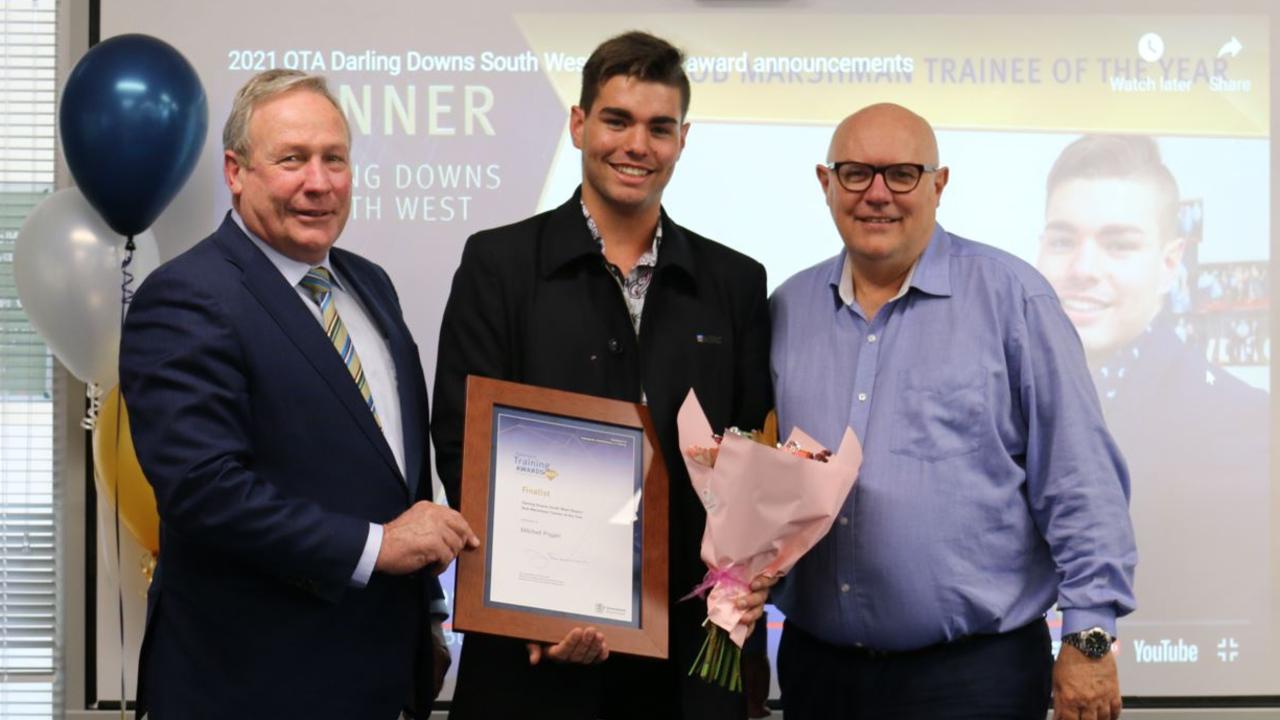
x: 262, y: 87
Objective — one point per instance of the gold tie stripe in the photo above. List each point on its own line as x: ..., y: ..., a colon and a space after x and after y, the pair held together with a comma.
x: 319, y: 282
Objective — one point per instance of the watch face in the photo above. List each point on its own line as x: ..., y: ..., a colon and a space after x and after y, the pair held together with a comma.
x: 1096, y: 644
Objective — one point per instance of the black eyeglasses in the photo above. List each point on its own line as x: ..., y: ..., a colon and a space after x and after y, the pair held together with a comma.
x: 899, y: 177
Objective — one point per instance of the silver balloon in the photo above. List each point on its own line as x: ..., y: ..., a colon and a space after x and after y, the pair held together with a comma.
x: 66, y: 266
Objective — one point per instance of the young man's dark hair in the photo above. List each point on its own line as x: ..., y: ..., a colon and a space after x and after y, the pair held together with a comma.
x: 639, y: 55
x: 1126, y: 157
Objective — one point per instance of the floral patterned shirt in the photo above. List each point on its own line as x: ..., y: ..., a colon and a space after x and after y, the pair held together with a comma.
x: 635, y: 284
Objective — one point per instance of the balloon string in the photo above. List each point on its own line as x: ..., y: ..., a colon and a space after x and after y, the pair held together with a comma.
x: 126, y: 297
x: 126, y: 278
x: 119, y: 559
x: 93, y: 390
x: 93, y: 393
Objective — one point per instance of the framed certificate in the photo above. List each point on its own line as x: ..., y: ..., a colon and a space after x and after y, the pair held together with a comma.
x: 568, y: 494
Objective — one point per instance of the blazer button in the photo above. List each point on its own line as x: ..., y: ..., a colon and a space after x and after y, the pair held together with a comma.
x: 615, y: 347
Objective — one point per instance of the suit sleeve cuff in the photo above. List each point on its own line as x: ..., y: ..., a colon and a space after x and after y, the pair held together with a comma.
x: 368, y: 558
x: 1077, y: 619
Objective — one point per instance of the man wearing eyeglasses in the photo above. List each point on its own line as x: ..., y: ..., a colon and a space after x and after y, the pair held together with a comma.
x: 990, y: 488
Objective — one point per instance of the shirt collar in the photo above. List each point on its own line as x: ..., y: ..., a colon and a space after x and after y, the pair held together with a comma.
x: 930, y: 273
x: 292, y: 270
x: 648, y: 258
x: 565, y: 238
x: 845, y: 285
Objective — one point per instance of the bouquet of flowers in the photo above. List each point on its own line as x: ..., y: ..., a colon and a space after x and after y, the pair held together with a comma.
x: 766, y: 507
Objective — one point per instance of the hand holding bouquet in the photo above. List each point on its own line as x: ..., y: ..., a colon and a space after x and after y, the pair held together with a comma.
x: 766, y: 507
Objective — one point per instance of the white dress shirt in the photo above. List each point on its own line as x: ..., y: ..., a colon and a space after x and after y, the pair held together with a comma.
x: 375, y: 358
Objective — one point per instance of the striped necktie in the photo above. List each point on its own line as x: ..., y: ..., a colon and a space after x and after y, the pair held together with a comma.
x: 319, y: 283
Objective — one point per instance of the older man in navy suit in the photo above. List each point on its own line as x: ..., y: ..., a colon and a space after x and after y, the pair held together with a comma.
x: 280, y: 412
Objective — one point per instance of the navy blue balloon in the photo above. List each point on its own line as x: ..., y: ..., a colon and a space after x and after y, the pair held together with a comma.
x: 133, y: 122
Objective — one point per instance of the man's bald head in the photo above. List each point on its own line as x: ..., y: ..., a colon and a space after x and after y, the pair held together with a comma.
x: 887, y: 123
x: 884, y: 230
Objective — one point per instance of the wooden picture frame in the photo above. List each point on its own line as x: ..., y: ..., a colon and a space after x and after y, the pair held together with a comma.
x: 537, y: 462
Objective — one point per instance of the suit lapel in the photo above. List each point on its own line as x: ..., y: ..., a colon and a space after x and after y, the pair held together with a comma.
x: 402, y: 349
x: 566, y: 238
x: 286, y: 307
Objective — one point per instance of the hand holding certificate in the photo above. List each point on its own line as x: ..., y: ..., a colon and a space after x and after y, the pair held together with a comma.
x: 766, y: 507
x: 569, y: 496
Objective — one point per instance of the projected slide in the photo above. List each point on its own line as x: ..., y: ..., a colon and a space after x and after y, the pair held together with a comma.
x: 1126, y: 156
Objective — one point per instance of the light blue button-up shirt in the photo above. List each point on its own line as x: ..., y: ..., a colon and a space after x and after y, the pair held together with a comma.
x: 990, y: 487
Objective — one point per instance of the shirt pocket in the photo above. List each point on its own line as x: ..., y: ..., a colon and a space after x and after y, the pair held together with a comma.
x: 938, y: 416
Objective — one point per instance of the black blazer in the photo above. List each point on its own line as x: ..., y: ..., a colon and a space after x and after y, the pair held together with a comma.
x: 268, y: 468
x: 533, y: 302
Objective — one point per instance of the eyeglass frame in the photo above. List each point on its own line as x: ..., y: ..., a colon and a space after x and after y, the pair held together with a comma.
x: 880, y: 170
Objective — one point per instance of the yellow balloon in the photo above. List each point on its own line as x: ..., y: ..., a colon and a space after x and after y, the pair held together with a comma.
x: 116, y: 465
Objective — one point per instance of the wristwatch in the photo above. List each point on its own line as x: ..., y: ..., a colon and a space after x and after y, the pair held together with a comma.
x: 1094, y: 642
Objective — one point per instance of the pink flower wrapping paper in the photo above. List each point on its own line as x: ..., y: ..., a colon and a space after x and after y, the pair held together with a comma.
x: 766, y: 507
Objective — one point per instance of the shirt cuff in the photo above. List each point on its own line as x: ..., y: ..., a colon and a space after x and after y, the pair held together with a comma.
x: 439, y: 609
x: 368, y: 558
x: 1078, y: 619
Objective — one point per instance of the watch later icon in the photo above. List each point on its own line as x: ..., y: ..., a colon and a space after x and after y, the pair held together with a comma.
x: 1228, y: 650
x: 1151, y: 47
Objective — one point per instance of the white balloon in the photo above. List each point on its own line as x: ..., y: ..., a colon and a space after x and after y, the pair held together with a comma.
x: 66, y: 267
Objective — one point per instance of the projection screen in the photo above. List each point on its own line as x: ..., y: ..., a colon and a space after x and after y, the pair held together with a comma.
x: 459, y: 114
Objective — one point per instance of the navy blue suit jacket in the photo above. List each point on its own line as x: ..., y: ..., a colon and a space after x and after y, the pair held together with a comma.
x: 268, y: 468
